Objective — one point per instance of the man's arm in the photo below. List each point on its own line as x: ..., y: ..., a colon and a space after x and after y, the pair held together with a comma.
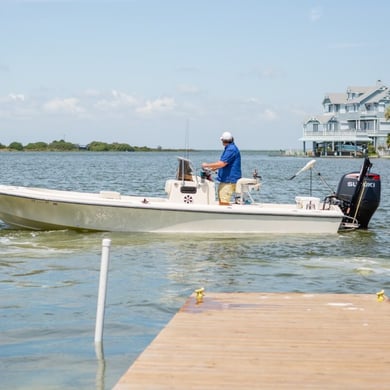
x: 214, y: 165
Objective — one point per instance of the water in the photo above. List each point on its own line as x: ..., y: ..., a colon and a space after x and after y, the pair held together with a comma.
x: 49, y: 280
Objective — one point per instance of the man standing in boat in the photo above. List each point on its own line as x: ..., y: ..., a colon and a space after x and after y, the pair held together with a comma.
x: 229, y: 169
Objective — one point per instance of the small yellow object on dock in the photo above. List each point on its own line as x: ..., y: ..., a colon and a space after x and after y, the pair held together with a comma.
x: 199, y: 295
x: 381, y: 296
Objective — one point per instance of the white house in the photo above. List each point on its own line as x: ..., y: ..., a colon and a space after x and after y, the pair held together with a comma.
x: 349, y: 121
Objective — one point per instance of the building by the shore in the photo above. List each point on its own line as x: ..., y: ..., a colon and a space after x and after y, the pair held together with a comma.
x: 349, y: 122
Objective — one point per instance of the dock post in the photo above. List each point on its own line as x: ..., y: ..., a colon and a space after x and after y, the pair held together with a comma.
x: 106, y: 243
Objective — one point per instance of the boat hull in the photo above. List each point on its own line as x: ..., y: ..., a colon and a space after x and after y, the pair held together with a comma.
x: 41, y: 209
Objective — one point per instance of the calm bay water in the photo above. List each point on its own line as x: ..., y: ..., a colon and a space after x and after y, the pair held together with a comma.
x: 49, y: 280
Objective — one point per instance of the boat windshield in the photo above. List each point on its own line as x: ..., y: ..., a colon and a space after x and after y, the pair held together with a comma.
x: 184, y: 171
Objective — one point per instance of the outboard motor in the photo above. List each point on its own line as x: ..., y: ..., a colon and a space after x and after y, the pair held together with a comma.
x: 359, y: 195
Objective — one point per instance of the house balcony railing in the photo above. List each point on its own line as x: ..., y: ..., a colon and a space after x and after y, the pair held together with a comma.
x: 359, y: 116
x: 348, y: 133
x: 338, y: 136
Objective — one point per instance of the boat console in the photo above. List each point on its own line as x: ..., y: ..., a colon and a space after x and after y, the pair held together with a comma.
x: 189, y: 187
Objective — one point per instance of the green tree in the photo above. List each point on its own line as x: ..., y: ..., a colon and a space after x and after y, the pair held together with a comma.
x: 15, y: 146
x: 120, y: 147
x: 62, y: 146
x: 142, y: 149
x: 36, y: 146
x: 96, y: 146
x: 387, y: 114
x: 371, y: 150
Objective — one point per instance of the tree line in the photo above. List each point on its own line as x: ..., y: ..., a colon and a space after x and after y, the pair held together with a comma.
x: 63, y: 146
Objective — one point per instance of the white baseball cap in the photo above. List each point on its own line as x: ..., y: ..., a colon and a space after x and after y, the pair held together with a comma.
x: 226, y: 136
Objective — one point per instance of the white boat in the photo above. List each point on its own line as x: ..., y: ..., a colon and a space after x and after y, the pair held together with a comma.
x: 189, y: 207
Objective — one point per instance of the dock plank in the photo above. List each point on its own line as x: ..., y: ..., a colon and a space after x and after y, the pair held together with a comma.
x: 269, y: 341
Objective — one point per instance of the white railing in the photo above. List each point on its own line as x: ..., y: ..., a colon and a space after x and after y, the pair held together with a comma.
x: 337, y: 133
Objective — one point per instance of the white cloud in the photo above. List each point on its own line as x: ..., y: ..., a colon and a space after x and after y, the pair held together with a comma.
x: 89, y: 103
x: 13, y: 98
x: 117, y: 100
x: 269, y: 114
x: 258, y: 109
x: 158, y: 105
x: 17, y: 97
x: 16, y: 105
x: 315, y: 14
x: 67, y: 105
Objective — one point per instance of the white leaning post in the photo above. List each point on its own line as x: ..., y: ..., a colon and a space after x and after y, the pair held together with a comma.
x: 102, y: 290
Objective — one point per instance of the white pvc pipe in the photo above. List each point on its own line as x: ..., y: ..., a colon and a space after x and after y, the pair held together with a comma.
x: 102, y: 290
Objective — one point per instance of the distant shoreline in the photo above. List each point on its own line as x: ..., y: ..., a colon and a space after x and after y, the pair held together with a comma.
x: 270, y: 153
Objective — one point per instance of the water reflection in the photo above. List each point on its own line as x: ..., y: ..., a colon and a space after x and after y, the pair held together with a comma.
x: 101, y: 366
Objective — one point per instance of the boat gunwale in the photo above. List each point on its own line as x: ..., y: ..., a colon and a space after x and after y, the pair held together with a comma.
x: 254, y: 209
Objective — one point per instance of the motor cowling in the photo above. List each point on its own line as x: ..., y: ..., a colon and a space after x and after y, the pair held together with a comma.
x: 359, y: 194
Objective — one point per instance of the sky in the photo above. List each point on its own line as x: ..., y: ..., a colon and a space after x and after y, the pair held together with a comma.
x: 178, y: 73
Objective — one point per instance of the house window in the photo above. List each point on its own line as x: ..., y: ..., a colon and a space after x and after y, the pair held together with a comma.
x: 366, y: 125
x: 315, y: 126
x: 332, y: 126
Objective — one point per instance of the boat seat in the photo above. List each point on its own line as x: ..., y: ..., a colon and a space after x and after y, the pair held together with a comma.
x: 246, y: 185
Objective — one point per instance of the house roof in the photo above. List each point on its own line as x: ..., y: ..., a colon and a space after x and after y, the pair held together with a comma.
x: 384, y: 95
x: 361, y: 89
x: 320, y: 118
x: 336, y: 98
x: 373, y: 94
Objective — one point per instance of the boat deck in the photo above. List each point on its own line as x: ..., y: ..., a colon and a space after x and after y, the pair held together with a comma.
x: 269, y: 341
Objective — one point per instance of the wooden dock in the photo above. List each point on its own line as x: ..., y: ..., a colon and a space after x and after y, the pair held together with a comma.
x: 269, y: 341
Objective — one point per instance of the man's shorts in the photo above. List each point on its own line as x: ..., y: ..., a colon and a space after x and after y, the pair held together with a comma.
x: 225, y: 192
